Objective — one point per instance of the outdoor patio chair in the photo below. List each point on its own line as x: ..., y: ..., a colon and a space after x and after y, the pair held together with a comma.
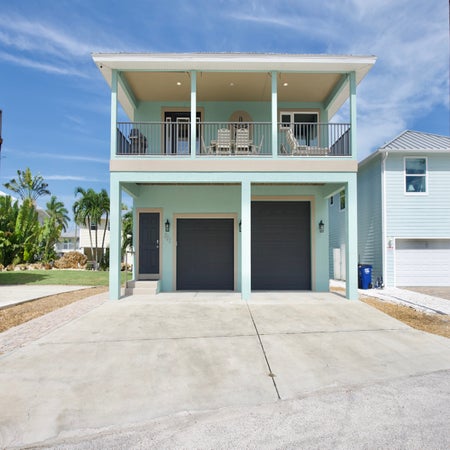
x: 223, y: 145
x: 303, y: 150
x: 257, y: 148
x: 242, y: 141
x: 138, y: 141
x: 206, y: 150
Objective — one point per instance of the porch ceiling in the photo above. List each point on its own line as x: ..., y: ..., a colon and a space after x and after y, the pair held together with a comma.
x: 231, y: 86
x: 233, y: 76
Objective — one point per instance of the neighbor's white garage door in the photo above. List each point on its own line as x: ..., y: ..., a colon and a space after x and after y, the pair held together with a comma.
x: 422, y: 262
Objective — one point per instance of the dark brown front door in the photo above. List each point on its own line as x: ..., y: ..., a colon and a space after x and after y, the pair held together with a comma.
x: 149, y: 242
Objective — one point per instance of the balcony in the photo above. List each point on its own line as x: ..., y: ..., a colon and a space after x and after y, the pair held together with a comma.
x: 232, y: 140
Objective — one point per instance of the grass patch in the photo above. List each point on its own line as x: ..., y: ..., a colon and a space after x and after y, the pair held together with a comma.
x: 55, y: 276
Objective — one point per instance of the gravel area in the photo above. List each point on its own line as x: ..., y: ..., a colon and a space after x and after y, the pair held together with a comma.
x: 21, y: 335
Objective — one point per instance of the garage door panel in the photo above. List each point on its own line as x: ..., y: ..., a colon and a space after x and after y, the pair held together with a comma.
x: 205, y: 254
x: 281, y: 256
x: 422, y: 262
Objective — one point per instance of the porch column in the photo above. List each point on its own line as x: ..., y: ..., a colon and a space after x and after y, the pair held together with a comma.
x: 114, y: 235
x: 353, y: 135
x: 274, y: 116
x: 246, y: 245
x: 352, y: 238
x: 193, y: 113
x: 114, y: 84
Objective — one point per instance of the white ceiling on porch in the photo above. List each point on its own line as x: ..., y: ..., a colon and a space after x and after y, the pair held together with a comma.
x: 235, y: 76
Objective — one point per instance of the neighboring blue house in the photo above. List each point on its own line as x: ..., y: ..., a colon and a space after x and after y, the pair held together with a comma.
x: 403, y: 212
x: 230, y: 160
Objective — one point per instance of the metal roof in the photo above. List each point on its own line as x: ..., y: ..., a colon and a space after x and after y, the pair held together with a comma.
x: 417, y: 141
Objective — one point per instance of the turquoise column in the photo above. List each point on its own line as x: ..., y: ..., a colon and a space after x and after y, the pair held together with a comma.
x: 353, y: 134
x: 114, y: 234
x: 246, y: 244
x: 274, y: 116
x: 114, y: 84
x: 352, y: 238
x: 193, y: 113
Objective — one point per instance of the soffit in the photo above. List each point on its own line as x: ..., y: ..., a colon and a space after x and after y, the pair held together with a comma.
x: 231, y: 86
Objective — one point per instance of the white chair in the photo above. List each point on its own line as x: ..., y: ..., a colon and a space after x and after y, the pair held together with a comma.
x: 242, y: 145
x: 223, y: 146
x: 257, y: 148
x: 206, y: 150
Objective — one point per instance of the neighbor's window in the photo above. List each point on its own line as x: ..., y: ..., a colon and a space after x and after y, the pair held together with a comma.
x: 342, y: 200
x: 415, y: 175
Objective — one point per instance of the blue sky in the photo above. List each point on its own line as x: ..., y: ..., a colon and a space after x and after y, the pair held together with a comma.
x: 56, y: 104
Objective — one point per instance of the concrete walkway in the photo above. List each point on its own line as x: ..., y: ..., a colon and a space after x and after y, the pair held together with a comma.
x: 140, y: 359
x: 16, y: 294
x: 414, y: 299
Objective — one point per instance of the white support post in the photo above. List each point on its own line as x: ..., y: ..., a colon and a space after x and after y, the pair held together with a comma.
x: 353, y: 134
x: 274, y: 116
x: 114, y: 87
x: 246, y: 245
x: 193, y: 113
x: 352, y: 238
x: 115, y: 234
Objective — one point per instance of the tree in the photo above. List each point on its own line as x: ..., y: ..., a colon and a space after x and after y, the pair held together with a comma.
x: 127, y: 231
x: 27, y: 186
x: 88, y: 211
x: 19, y: 231
x: 55, y: 222
x: 58, y: 213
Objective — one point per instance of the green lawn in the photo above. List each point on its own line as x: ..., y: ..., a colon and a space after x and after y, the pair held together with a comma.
x: 67, y: 277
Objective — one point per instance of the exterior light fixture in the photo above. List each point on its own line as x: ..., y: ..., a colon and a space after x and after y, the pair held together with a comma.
x: 178, y: 83
x: 285, y: 84
x: 240, y: 226
x: 321, y: 226
x: 167, y: 226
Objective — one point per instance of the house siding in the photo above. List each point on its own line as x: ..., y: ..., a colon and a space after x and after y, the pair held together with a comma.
x: 416, y: 216
x: 338, y: 231
x: 370, y: 216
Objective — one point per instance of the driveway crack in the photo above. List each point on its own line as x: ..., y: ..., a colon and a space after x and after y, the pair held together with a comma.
x: 271, y: 374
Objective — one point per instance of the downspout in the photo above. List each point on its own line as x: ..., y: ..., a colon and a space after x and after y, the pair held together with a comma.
x: 383, y: 216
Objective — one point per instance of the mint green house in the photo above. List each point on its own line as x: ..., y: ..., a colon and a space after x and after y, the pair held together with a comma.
x: 230, y: 160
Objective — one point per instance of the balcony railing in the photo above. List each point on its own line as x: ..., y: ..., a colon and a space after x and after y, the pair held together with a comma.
x: 232, y: 139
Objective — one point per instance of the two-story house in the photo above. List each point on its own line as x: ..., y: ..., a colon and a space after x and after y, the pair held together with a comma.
x: 404, y: 217
x: 230, y: 160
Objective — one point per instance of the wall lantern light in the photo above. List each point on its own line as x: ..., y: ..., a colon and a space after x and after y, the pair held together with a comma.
x: 240, y: 226
x: 321, y: 226
x: 167, y: 226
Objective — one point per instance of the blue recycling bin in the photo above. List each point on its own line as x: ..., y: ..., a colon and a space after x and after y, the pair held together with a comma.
x: 364, y: 276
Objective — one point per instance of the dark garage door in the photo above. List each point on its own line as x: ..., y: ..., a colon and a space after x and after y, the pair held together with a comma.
x: 205, y: 254
x: 281, y: 249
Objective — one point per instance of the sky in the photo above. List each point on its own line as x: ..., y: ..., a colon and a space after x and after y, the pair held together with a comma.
x: 56, y: 104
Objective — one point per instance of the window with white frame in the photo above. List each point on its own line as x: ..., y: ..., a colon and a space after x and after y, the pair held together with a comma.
x: 415, y: 175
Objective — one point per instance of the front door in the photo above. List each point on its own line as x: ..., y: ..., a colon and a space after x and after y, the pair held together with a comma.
x: 149, y: 241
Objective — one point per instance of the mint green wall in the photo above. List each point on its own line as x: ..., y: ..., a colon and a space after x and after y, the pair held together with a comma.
x: 226, y: 199
x: 221, y: 111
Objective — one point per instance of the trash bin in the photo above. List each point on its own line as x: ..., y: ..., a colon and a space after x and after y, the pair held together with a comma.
x: 364, y: 276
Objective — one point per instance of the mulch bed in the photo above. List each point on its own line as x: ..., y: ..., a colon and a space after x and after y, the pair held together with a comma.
x: 17, y: 314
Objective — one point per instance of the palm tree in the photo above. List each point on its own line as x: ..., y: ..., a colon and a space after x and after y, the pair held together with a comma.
x: 88, y: 211
x: 55, y: 222
x: 58, y: 213
x: 27, y: 186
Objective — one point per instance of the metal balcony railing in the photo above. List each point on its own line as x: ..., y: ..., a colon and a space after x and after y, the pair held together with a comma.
x: 232, y: 139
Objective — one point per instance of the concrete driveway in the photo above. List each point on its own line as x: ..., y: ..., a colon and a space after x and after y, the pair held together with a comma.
x: 137, y: 359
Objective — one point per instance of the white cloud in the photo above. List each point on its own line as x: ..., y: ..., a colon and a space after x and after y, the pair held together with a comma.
x: 73, y: 178
x: 65, y: 157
